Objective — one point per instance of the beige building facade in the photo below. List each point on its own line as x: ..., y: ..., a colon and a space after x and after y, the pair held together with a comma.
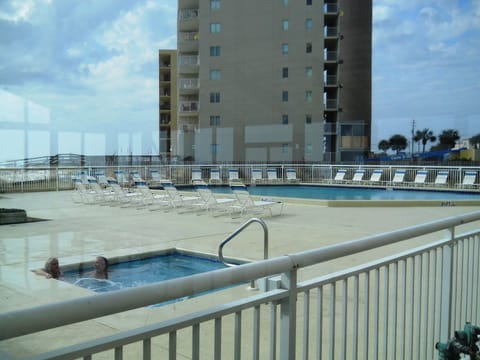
x: 273, y: 80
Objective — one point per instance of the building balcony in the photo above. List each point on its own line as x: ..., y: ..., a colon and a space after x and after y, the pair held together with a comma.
x: 330, y: 9
x: 331, y: 105
x: 330, y: 128
x: 330, y: 56
x: 188, y: 60
x: 330, y: 32
x: 187, y: 14
x: 188, y: 41
x: 189, y: 85
x: 188, y: 107
x: 331, y: 80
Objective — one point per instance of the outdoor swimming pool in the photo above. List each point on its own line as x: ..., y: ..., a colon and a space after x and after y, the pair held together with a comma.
x: 128, y: 274
x: 352, y: 193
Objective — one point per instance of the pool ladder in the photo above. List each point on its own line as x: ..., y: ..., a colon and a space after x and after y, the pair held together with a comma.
x: 238, y: 231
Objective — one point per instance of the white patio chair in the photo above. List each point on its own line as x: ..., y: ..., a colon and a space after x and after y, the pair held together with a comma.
x: 215, y: 176
x: 420, y: 177
x: 272, y: 176
x: 211, y: 203
x: 246, y: 205
x: 358, y: 176
x: 196, y: 175
x: 292, y: 175
x: 441, y: 178
x: 257, y: 176
x: 469, y: 178
x: 376, y: 175
x: 233, y: 175
x: 399, y: 176
x: 340, y: 175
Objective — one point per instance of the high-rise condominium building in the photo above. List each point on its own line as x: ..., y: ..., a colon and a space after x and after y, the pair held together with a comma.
x: 273, y: 80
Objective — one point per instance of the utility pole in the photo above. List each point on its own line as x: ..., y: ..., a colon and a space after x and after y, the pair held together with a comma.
x: 413, y: 134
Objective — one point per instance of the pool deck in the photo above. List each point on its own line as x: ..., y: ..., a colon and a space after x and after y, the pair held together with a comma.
x: 77, y: 233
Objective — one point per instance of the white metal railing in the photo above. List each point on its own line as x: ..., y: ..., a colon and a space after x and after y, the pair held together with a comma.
x: 59, y: 178
x: 330, y: 8
x: 395, y: 307
x: 187, y: 14
x: 189, y: 35
x: 189, y: 60
x: 189, y: 83
x: 330, y: 31
x: 188, y: 106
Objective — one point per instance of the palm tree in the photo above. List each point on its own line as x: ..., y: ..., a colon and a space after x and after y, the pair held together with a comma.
x: 448, y: 138
x: 384, y: 145
x: 398, y: 143
x: 424, y: 136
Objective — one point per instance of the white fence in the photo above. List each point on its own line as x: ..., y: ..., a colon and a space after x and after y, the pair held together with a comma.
x: 59, y: 178
x: 393, y: 308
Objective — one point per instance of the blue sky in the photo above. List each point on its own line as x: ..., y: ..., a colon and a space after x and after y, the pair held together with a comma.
x: 92, y: 66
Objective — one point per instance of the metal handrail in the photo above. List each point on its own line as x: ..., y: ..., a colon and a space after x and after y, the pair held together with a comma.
x: 238, y: 231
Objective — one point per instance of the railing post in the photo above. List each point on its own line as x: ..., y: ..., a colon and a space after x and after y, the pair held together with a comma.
x: 288, y: 315
x: 446, y: 289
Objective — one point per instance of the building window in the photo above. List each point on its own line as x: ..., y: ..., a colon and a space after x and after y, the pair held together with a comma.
x: 214, y: 120
x: 308, y: 119
x: 285, y: 119
x: 214, y: 149
x: 214, y: 50
x: 308, y: 24
x: 214, y: 4
x: 309, y: 2
x: 285, y: 3
x: 308, y: 72
x: 284, y: 96
x: 284, y: 148
x: 284, y: 49
x: 285, y: 72
x: 308, y: 149
x: 215, y: 97
x: 308, y: 96
x: 215, y: 74
x: 285, y: 25
x: 215, y: 27
x: 309, y: 48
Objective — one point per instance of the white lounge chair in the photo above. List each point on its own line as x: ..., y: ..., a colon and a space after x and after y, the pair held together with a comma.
x: 82, y: 194
x: 469, y: 178
x: 122, y: 179
x: 358, y: 176
x: 149, y: 198
x: 292, y: 175
x: 215, y: 176
x: 420, y: 177
x: 135, y: 176
x: 272, y: 176
x: 211, y: 203
x: 101, y: 179
x: 123, y: 197
x: 399, y: 176
x: 441, y: 178
x: 196, y: 175
x: 340, y: 175
x: 179, y: 200
x: 233, y: 175
x: 257, y: 176
x: 246, y: 205
x: 376, y: 175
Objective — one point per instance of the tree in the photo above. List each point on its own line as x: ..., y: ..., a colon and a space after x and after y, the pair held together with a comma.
x: 448, y: 138
x: 398, y: 143
x: 384, y: 145
x: 475, y: 141
x: 424, y: 136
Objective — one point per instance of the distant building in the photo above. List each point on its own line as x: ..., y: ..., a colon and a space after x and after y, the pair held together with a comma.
x: 270, y: 80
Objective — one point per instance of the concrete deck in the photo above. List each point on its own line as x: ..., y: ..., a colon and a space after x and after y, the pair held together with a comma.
x: 78, y: 232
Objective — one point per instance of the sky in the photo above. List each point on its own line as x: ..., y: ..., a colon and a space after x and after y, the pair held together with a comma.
x: 87, y: 67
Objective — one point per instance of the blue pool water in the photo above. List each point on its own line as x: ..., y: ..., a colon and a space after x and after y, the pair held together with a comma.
x: 351, y: 193
x: 143, y: 271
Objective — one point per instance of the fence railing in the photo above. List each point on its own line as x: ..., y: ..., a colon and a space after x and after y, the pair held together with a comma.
x: 395, y: 307
x: 59, y: 178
